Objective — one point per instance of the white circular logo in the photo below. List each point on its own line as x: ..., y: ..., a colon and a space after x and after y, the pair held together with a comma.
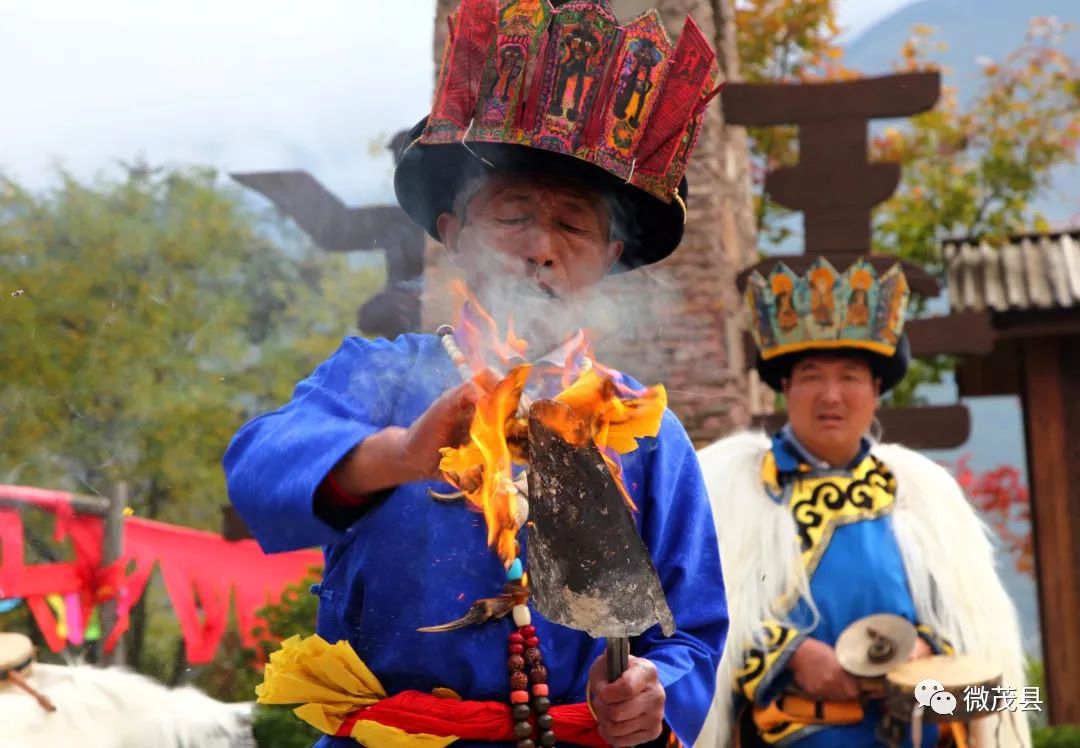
x: 926, y: 689
x: 943, y: 702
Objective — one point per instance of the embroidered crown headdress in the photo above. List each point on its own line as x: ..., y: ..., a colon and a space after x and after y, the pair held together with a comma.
x: 574, y: 81
x: 827, y: 310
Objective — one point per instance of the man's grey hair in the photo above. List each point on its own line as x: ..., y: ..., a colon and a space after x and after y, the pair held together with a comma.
x: 621, y: 224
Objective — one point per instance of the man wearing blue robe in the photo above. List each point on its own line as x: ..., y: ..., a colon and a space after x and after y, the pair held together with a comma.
x: 349, y: 462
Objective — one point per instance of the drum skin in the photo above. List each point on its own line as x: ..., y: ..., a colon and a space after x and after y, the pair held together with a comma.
x: 955, y: 673
x: 16, y: 653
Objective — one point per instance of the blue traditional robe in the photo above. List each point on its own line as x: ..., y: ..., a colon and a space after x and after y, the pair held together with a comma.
x: 408, y: 561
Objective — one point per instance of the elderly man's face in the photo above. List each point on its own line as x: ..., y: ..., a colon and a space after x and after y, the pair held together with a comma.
x: 831, y: 402
x: 525, y: 242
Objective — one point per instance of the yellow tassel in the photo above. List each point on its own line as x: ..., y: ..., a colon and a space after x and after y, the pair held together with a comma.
x: 330, y: 680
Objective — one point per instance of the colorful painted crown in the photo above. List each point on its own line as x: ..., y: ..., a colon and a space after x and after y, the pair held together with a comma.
x: 573, y: 81
x: 827, y: 310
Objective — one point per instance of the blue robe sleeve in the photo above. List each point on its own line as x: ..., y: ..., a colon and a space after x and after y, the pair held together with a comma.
x: 677, y: 526
x: 275, y: 463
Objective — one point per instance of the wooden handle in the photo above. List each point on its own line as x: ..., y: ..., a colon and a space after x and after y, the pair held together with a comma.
x: 20, y: 681
x: 618, y: 658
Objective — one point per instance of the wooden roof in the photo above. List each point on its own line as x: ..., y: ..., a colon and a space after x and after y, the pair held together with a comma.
x: 1030, y: 272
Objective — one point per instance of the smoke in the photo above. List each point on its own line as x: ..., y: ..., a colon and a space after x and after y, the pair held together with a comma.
x: 622, y: 308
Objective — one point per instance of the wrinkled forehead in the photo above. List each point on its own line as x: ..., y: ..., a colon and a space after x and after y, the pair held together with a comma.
x: 536, y: 192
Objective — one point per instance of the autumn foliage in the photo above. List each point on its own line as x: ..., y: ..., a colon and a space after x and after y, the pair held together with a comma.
x: 1001, y: 496
x: 977, y: 168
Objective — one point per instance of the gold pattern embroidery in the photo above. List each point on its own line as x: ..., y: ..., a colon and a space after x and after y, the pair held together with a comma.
x: 820, y: 505
x: 759, y: 661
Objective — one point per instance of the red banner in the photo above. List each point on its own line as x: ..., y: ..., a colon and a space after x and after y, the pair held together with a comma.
x: 202, y: 573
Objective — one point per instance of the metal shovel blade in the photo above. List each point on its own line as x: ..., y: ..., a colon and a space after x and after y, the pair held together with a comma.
x: 588, y: 567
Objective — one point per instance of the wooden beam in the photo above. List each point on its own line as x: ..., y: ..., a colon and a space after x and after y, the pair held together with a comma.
x: 932, y: 427
x: 324, y: 217
x: 896, y: 95
x: 81, y: 503
x: 921, y: 282
x: 1051, y: 371
x: 1038, y: 323
x: 963, y: 333
x: 851, y: 186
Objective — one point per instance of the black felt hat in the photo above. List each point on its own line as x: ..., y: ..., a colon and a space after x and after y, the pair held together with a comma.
x: 429, y: 176
x: 889, y: 369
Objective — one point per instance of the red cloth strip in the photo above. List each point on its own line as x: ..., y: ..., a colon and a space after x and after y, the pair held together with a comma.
x: 417, y: 712
x: 202, y: 571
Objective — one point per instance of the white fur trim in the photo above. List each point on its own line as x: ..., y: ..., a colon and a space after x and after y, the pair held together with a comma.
x: 952, y: 572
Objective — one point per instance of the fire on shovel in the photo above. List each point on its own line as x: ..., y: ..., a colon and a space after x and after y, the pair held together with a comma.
x: 588, y: 567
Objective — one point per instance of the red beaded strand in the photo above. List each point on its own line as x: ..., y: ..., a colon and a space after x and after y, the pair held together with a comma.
x: 519, y: 691
x: 524, y: 647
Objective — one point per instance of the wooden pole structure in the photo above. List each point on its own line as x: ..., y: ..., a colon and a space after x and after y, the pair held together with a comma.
x: 834, y: 184
x: 112, y: 548
x: 81, y: 503
x: 1051, y: 401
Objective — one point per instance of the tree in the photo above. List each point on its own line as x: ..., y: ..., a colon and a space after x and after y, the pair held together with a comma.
x: 971, y: 169
x: 145, y: 319
x: 977, y: 169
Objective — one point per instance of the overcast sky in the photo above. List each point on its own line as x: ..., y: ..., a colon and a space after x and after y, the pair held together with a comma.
x: 238, y: 84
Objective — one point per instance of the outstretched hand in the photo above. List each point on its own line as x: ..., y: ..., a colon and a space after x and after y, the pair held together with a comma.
x: 444, y: 424
x: 396, y: 455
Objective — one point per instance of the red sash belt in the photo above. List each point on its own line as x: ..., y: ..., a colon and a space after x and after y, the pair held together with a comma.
x: 418, y: 712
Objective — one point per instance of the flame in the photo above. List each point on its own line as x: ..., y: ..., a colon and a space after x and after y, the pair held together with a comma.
x: 608, y: 412
x: 487, y: 448
x: 480, y: 333
x: 577, y: 351
x: 618, y: 420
